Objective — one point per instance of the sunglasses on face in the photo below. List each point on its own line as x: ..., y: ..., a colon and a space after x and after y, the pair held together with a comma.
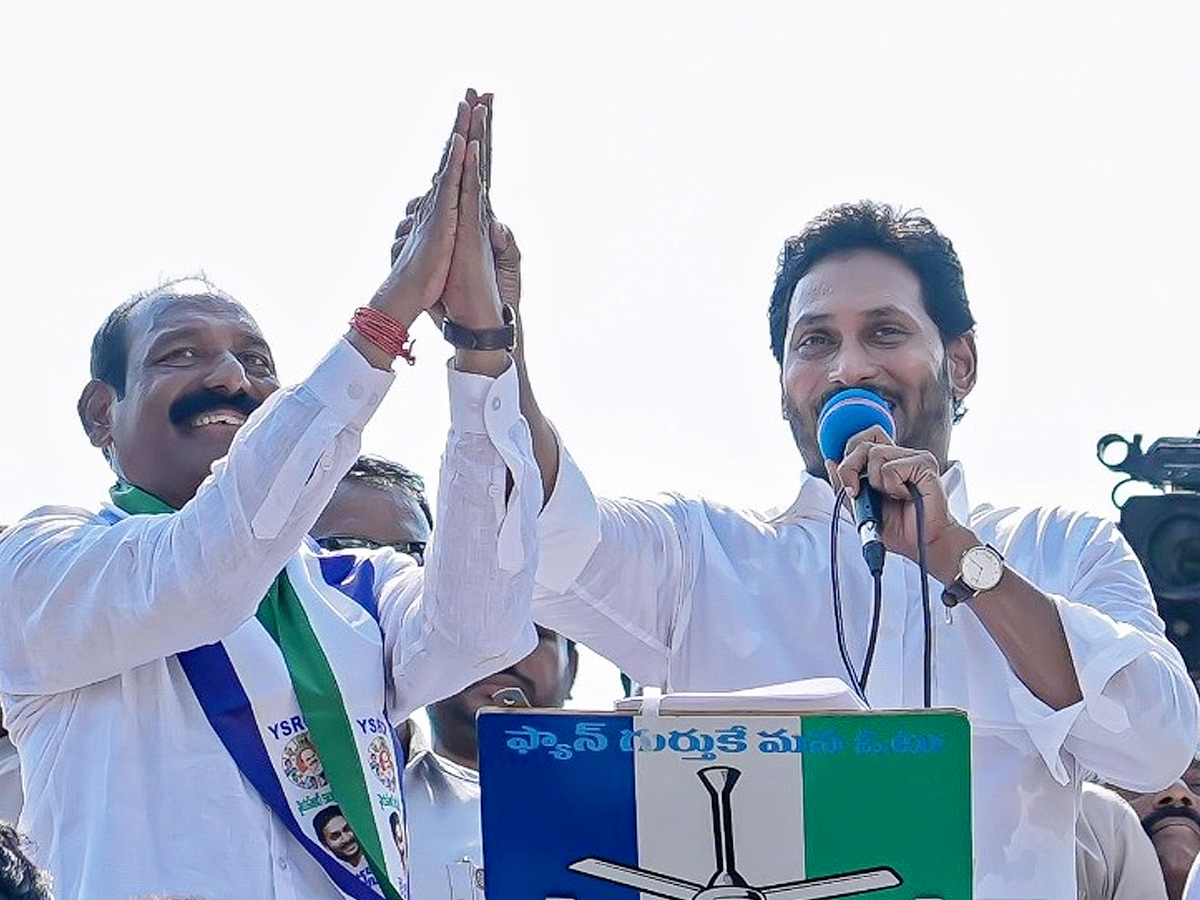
x: 415, y: 549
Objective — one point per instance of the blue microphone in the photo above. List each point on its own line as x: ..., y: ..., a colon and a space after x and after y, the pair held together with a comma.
x: 844, y: 415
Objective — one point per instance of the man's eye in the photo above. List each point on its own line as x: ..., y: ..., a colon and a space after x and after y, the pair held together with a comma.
x: 889, y: 334
x: 257, y: 362
x: 179, y: 355
x: 814, y: 344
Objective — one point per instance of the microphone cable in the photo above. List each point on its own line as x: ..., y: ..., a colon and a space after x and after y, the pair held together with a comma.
x: 857, y: 681
x: 926, y: 609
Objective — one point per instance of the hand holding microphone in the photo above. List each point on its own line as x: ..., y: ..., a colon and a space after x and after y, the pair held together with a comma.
x: 856, y: 432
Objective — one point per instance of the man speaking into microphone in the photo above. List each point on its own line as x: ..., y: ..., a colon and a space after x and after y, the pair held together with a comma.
x: 1038, y: 622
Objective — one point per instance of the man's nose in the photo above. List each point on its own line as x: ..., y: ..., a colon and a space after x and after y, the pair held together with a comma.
x: 1178, y: 794
x: 227, y: 375
x: 852, y: 365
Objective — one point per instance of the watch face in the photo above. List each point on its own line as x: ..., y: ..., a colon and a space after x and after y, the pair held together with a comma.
x: 982, y: 568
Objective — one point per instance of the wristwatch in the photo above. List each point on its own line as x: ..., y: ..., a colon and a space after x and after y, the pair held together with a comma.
x: 502, y: 338
x: 980, y: 569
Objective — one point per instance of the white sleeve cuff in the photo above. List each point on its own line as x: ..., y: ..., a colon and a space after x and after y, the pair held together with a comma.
x: 1091, y: 638
x: 349, y: 386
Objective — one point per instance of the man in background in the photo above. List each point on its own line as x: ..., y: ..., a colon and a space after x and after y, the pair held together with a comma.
x: 1171, y: 817
x: 379, y: 503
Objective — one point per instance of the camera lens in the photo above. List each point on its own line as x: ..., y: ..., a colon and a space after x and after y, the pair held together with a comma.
x: 1173, y: 552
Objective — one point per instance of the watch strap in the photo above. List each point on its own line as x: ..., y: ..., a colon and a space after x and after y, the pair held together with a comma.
x: 502, y: 338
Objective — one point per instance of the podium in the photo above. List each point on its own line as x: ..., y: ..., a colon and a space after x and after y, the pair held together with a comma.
x: 703, y: 805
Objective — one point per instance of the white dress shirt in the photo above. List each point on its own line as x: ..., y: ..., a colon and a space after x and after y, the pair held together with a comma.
x: 129, y: 790
x: 10, y: 782
x: 694, y: 596
x: 1114, y: 858
x: 445, y: 843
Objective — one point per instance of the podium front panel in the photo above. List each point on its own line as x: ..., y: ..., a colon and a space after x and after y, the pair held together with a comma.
x: 609, y: 806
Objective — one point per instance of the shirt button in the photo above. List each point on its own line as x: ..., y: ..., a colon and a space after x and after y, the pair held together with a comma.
x: 282, y: 863
x: 496, y: 403
x: 354, y: 390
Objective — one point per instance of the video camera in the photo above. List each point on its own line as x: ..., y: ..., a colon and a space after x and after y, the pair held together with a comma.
x: 1164, y: 528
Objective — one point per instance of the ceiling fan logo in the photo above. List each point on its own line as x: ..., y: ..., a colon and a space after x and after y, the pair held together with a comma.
x: 727, y: 883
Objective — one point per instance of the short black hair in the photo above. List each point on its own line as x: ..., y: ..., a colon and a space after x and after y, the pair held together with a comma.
x: 379, y: 472
x: 322, y: 818
x: 867, y: 225
x: 110, y: 344
x: 20, y: 879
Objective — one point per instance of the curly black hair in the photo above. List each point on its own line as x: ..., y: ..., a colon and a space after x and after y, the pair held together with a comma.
x: 904, y: 234
x: 20, y: 879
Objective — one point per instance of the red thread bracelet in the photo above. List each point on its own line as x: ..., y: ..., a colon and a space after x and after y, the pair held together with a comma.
x: 384, y: 332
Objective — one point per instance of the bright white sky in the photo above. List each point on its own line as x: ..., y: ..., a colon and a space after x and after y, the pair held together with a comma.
x: 651, y: 159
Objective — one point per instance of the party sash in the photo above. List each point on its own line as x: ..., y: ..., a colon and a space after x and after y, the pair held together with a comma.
x: 296, y: 696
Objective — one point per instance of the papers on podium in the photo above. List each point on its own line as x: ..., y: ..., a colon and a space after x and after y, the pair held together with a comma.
x: 806, y: 695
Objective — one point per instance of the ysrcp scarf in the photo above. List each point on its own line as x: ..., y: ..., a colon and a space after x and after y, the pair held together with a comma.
x: 296, y: 695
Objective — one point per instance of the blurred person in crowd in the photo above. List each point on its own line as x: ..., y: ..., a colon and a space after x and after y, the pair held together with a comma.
x: 1171, y: 818
x: 379, y: 503
x: 190, y: 644
x: 1115, y: 859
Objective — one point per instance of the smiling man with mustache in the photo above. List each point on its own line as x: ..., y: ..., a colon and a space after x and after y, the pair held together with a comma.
x: 169, y: 664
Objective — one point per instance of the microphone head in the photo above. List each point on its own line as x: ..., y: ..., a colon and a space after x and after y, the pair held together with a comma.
x: 847, y: 413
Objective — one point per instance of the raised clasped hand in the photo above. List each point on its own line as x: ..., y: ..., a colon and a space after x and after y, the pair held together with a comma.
x: 421, y: 264
x: 482, y: 270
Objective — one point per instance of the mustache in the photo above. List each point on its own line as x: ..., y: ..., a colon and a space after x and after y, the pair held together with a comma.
x: 1159, y: 813
x: 191, y: 405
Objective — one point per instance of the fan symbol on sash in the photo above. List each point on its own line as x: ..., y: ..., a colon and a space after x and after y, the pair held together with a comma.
x: 727, y: 883
x: 379, y: 757
x: 302, y: 764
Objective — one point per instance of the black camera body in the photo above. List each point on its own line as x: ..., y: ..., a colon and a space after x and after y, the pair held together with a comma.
x: 1164, y: 529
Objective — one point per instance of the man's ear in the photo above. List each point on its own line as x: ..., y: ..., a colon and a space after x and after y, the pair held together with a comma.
x: 962, y: 362
x: 95, y: 412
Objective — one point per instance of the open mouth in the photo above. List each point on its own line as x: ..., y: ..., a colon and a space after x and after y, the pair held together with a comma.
x: 226, y: 417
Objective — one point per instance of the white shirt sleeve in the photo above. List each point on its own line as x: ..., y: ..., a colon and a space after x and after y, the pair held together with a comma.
x: 1138, y: 723
x: 470, y: 617
x: 84, y: 599
x: 615, y: 574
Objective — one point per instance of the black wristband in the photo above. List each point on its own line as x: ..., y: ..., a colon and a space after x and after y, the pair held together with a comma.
x: 502, y: 338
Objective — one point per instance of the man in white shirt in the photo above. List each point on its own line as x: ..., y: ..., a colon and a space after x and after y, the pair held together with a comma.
x: 1059, y: 656
x: 168, y: 665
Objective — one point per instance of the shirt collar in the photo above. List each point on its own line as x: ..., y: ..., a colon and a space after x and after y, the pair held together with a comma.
x: 815, y: 498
